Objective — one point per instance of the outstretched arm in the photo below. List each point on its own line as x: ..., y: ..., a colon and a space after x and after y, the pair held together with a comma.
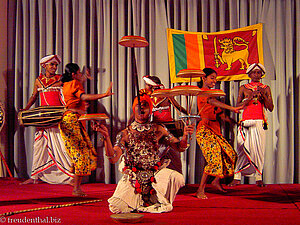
x: 91, y: 97
x: 222, y: 105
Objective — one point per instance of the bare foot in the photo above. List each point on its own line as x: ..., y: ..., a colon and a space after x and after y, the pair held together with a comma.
x: 234, y: 183
x: 201, y: 195
x: 260, y: 183
x: 78, y: 193
x: 30, y: 181
x: 217, y: 185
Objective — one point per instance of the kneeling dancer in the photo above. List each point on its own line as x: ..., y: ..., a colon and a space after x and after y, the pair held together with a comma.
x: 147, y: 185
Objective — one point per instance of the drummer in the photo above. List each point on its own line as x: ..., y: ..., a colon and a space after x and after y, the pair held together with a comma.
x: 48, y: 148
x: 161, y: 113
x: 76, y: 139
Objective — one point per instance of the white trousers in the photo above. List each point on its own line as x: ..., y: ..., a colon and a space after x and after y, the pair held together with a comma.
x: 51, y: 163
x: 251, y: 148
x: 124, y: 199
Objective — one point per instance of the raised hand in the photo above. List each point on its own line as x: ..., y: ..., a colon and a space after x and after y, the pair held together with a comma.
x: 100, y: 127
x: 88, y: 73
x: 108, y: 92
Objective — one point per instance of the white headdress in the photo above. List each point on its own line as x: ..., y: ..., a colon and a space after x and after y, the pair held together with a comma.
x: 256, y: 66
x: 50, y: 58
x: 149, y: 81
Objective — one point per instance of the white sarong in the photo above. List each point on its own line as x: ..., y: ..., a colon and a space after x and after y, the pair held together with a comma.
x: 51, y: 162
x: 124, y: 199
x: 251, y: 148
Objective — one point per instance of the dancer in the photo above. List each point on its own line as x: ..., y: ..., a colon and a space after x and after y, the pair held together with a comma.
x: 76, y: 139
x: 161, y: 113
x: 50, y: 163
x: 218, y: 153
x: 255, y: 96
x: 146, y: 185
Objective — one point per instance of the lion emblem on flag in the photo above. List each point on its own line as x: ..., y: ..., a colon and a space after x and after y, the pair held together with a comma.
x: 229, y: 55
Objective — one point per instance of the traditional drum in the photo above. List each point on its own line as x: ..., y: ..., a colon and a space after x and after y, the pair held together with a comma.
x: 43, y: 116
x: 175, y: 127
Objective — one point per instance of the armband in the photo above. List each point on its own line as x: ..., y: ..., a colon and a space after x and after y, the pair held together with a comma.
x: 118, y: 142
x: 169, y: 136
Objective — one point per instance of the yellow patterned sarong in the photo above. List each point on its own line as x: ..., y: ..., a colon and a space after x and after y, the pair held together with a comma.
x: 218, y: 153
x: 78, y: 144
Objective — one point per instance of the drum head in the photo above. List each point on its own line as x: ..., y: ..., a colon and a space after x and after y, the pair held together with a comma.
x: 127, y: 217
x: 188, y: 73
x: 134, y: 41
x: 96, y: 116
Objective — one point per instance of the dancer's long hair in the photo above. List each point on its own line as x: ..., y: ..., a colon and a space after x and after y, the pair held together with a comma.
x: 69, y: 70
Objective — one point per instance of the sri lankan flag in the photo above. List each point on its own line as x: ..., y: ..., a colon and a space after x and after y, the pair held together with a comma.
x: 228, y: 52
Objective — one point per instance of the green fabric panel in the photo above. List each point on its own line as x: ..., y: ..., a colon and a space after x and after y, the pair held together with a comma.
x: 179, y: 52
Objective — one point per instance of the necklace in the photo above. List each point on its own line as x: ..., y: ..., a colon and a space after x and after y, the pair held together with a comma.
x: 140, y: 127
x: 48, y: 80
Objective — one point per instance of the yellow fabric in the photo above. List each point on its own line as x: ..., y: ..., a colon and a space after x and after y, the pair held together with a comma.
x: 78, y: 144
x: 218, y: 153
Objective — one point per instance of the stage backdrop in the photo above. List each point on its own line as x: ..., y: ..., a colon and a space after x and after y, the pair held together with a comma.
x: 88, y: 32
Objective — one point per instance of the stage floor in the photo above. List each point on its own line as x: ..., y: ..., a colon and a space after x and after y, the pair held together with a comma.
x: 243, y: 204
